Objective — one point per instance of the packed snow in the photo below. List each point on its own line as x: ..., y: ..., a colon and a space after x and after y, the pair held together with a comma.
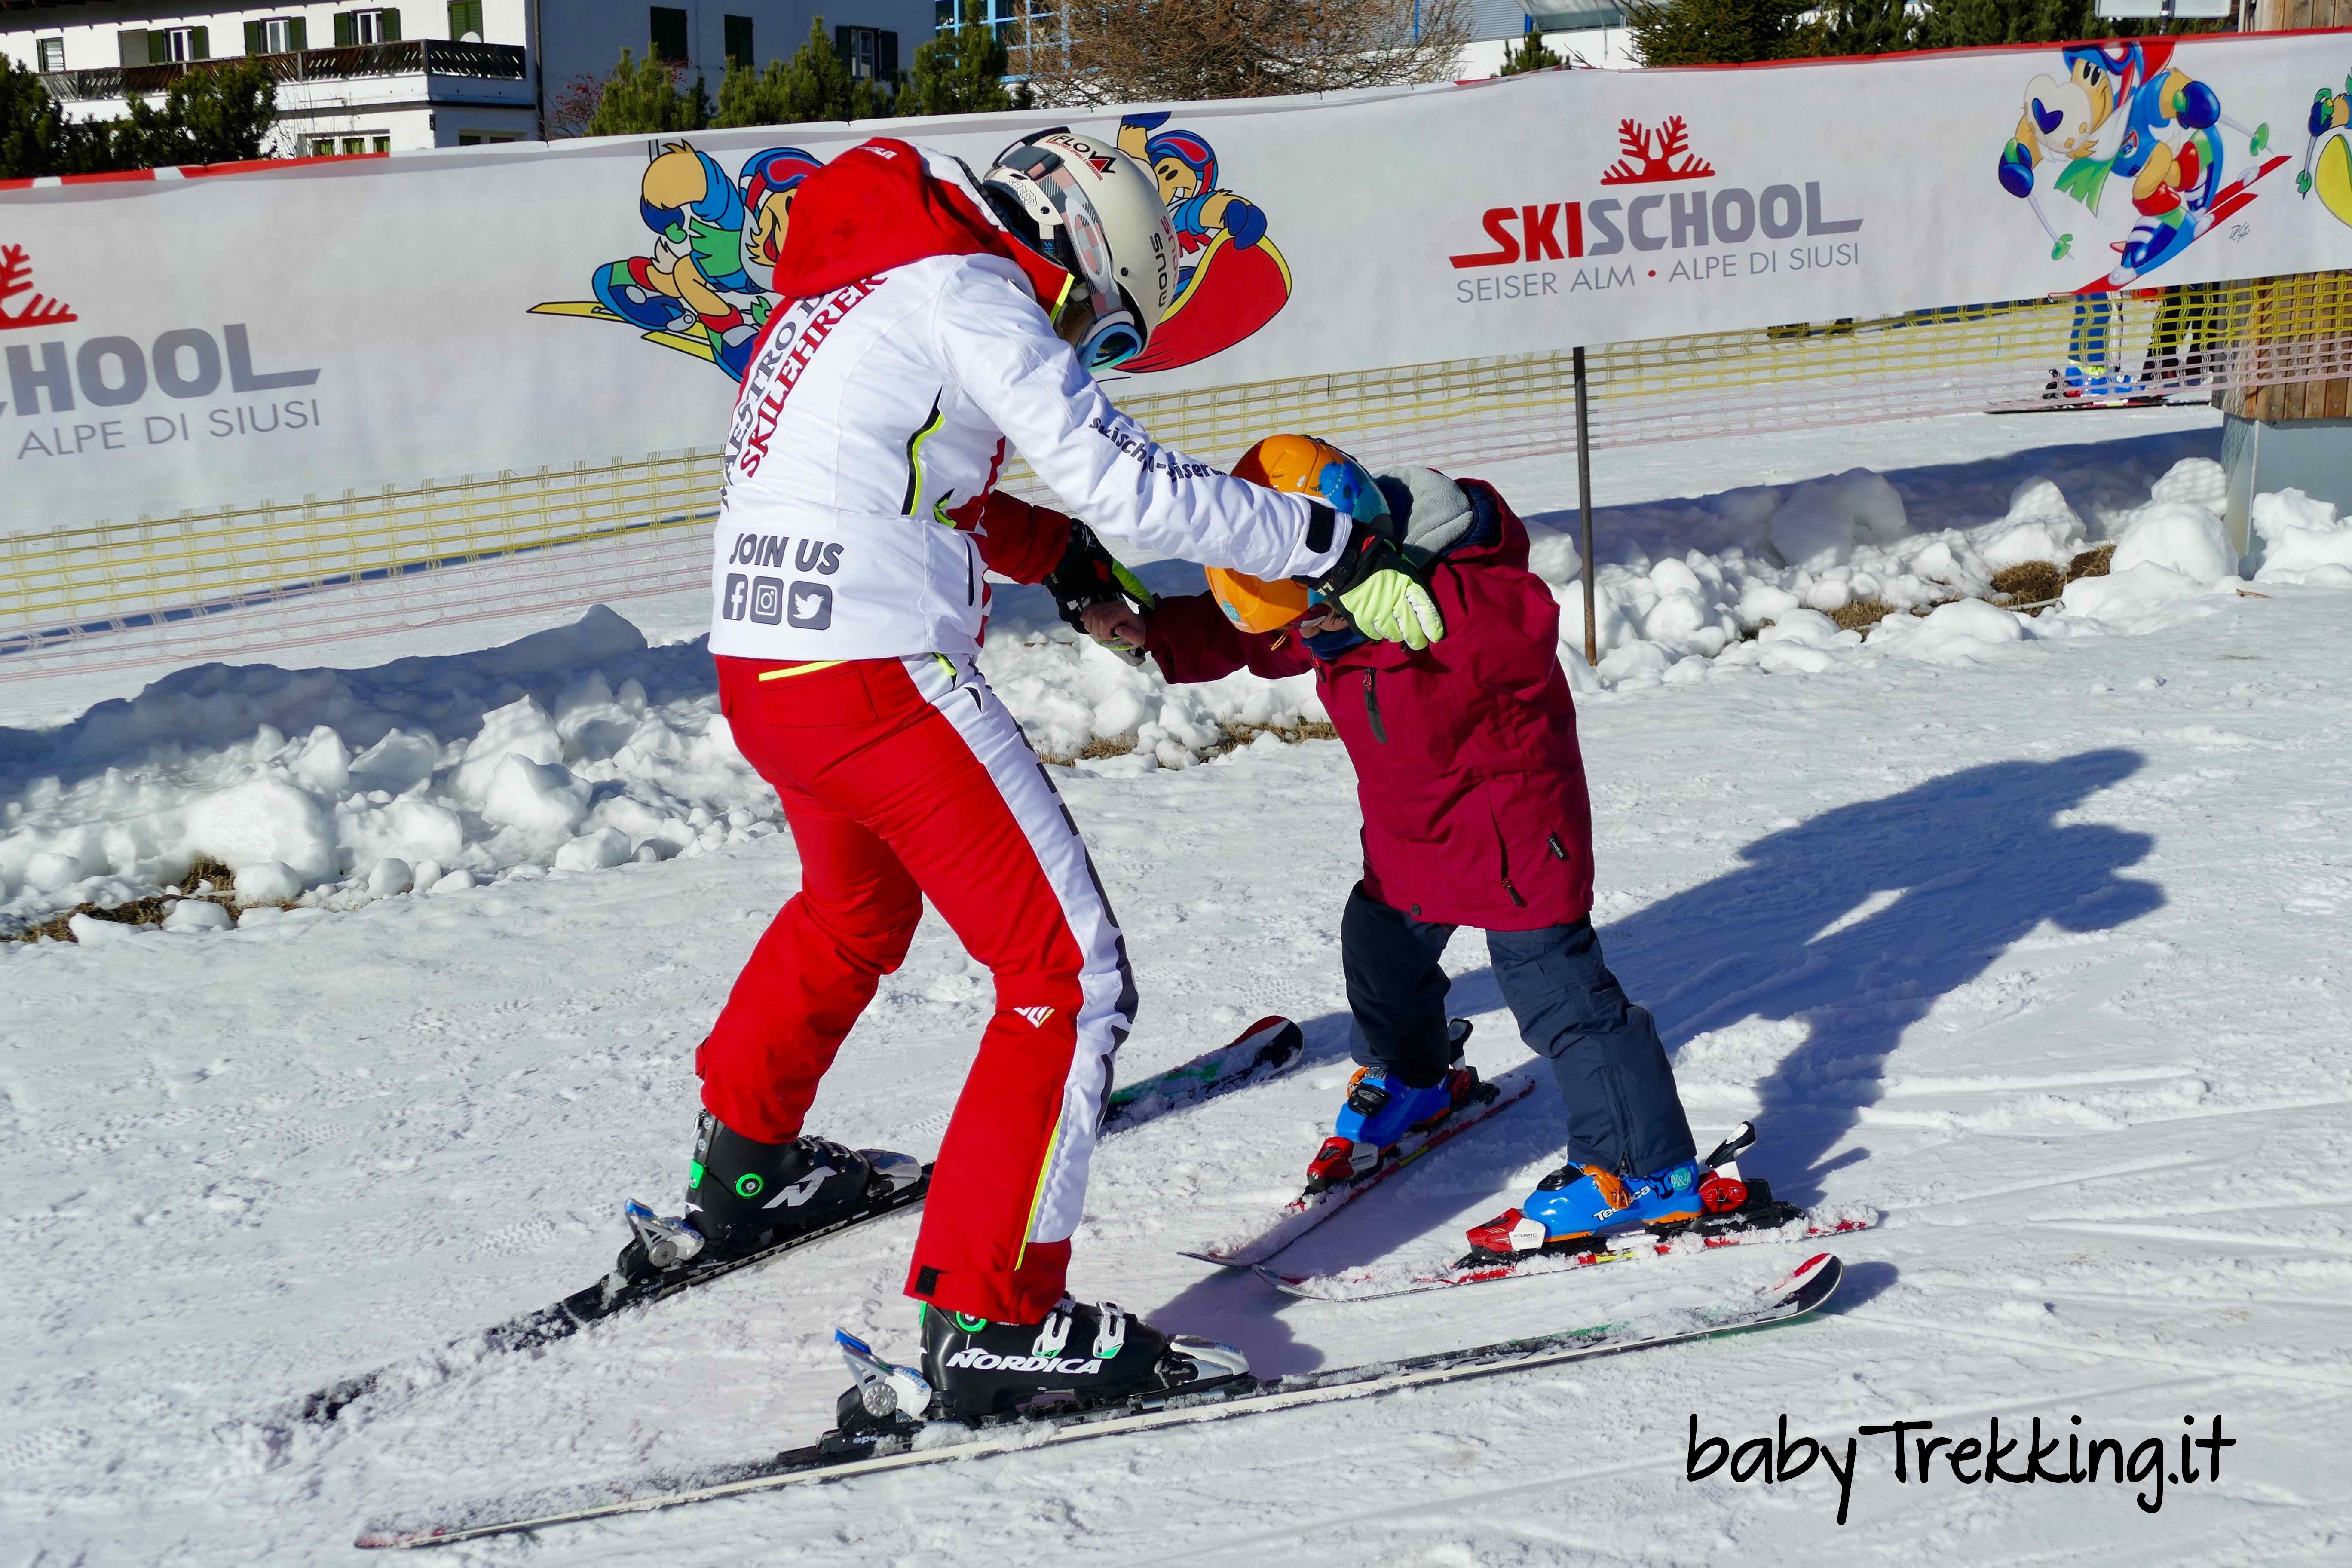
x: 2024, y: 932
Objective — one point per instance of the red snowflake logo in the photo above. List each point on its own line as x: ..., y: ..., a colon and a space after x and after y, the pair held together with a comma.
x: 1651, y: 155
x: 16, y: 277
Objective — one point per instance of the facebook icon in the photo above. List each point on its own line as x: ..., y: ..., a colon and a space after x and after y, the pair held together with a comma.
x: 738, y: 597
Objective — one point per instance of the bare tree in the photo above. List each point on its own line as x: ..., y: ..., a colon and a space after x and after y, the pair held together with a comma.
x: 1135, y: 51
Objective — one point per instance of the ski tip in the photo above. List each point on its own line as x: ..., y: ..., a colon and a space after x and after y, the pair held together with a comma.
x: 1810, y: 1283
x: 1213, y: 1258
x: 1287, y: 1283
x: 376, y: 1537
x: 850, y: 1341
x: 1279, y: 1040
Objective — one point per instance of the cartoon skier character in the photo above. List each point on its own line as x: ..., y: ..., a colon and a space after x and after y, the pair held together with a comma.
x: 2327, y: 155
x: 2124, y: 112
x: 715, y: 248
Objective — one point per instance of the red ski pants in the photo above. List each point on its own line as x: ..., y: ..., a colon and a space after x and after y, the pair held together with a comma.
x: 904, y: 779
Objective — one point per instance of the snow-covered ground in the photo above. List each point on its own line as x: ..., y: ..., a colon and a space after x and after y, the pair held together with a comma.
x: 2036, y: 945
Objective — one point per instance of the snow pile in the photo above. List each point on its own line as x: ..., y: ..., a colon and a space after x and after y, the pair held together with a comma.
x: 1071, y: 694
x: 2303, y: 540
x: 2039, y: 526
x: 2179, y: 537
x: 582, y: 748
x: 1819, y: 546
x: 573, y: 749
x: 1955, y: 633
x: 1822, y: 519
x: 2169, y: 555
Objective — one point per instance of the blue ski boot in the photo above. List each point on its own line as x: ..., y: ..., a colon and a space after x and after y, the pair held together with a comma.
x: 1382, y: 1113
x: 1577, y: 1207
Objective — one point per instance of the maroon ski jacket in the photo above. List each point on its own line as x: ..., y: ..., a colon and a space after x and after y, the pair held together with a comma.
x: 1466, y: 763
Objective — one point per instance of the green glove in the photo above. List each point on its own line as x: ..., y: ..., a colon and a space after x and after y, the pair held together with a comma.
x: 1388, y: 604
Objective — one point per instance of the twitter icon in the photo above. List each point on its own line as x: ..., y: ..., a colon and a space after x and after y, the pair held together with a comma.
x: 809, y: 606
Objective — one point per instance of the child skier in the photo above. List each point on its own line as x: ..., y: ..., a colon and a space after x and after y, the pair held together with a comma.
x: 1475, y: 814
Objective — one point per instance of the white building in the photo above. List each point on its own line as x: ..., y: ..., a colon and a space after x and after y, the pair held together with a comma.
x: 374, y: 78
x: 1583, y: 32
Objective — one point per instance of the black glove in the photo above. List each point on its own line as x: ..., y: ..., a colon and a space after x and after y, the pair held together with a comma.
x: 1088, y: 575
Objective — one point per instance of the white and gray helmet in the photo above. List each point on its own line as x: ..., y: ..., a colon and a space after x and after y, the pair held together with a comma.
x: 1094, y: 211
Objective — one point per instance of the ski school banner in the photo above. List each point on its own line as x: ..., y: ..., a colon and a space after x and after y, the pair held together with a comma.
x: 194, y: 341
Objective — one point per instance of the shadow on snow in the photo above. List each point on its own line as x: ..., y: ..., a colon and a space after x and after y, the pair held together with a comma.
x: 1849, y: 926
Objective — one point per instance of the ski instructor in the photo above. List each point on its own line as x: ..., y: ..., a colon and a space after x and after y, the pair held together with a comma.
x: 930, y: 322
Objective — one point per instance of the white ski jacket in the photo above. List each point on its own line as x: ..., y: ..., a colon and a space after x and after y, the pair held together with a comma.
x: 875, y: 415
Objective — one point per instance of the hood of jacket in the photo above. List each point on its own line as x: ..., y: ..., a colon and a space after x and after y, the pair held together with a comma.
x: 1473, y: 532
x: 885, y: 203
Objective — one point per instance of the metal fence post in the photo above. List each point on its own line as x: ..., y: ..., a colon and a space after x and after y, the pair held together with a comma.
x: 1584, y: 505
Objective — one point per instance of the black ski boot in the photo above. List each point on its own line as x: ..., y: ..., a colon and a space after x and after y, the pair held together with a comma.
x: 742, y: 1195
x: 1080, y: 1355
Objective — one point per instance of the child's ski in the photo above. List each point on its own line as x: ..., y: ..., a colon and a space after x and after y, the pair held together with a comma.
x: 1305, y: 1212
x: 837, y: 1456
x: 1374, y: 1284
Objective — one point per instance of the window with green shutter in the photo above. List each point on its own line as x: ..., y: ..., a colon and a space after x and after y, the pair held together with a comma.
x: 739, y: 42
x: 171, y: 46
x: 466, y: 21
x: 275, y: 36
x: 374, y: 27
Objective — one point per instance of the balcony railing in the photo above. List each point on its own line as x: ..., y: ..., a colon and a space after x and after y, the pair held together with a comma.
x: 434, y: 55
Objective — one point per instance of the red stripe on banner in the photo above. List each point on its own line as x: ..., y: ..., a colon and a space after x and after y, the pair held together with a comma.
x: 2171, y: 40
x: 189, y: 171
x: 256, y: 165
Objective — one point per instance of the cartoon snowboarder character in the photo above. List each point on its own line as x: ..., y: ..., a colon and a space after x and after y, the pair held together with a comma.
x: 715, y: 248
x: 2327, y: 155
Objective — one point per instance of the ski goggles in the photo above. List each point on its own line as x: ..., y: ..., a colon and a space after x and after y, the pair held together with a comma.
x: 1083, y: 251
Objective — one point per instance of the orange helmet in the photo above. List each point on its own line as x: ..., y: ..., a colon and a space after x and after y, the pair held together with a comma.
x: 1293, y: 463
